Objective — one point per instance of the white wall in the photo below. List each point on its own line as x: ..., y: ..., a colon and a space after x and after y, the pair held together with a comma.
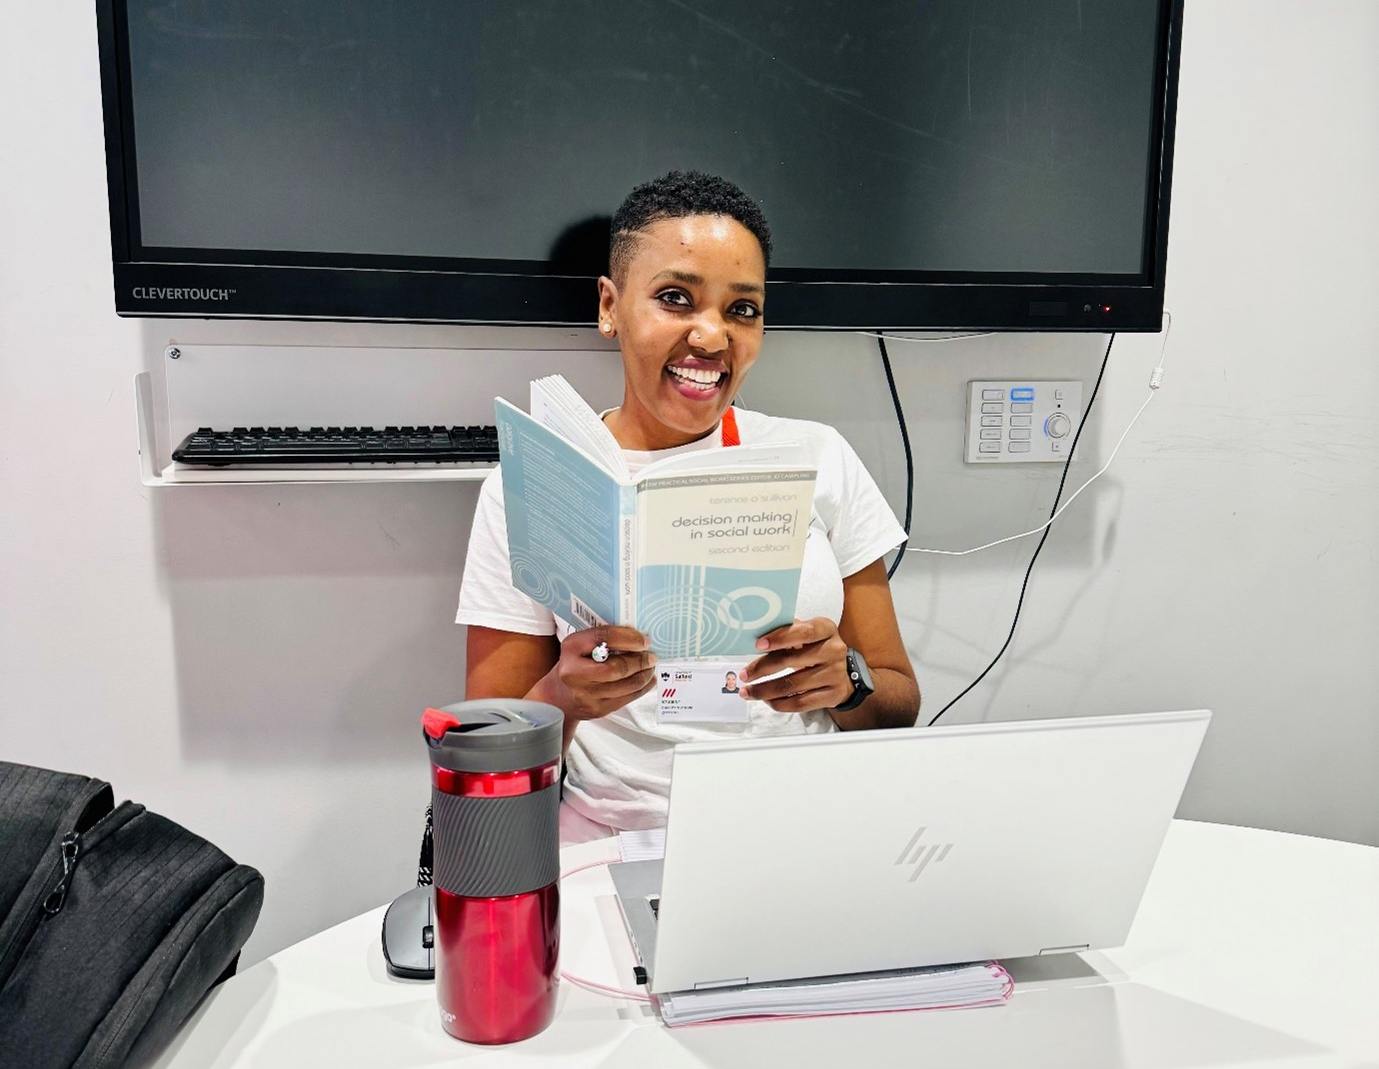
x: 252, y: 661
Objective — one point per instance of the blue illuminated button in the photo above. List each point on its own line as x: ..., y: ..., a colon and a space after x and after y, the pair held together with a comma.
x: 1022, y: 393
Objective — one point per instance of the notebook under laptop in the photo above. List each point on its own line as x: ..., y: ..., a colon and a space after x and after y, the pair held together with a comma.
x: 852, y: 852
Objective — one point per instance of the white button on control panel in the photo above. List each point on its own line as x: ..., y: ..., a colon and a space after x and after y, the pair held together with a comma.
x: 1021, y: 421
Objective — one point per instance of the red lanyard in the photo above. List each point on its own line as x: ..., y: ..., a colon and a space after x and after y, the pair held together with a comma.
x: 728, y: 429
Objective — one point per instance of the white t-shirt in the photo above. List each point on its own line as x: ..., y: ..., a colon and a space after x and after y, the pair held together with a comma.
x: 618, y: 767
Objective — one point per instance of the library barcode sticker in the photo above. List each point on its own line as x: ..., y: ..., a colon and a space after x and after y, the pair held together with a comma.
x: 585, y: 615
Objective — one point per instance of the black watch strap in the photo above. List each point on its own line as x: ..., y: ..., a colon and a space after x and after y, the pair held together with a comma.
x: 860, y: 676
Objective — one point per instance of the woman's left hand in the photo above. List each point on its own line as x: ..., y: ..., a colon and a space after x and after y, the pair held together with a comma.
x: 818, y: 655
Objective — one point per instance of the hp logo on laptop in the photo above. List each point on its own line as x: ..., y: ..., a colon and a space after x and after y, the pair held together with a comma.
x: 921, y: 855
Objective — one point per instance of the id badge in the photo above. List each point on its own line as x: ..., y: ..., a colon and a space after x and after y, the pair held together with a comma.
x: 704, y: 692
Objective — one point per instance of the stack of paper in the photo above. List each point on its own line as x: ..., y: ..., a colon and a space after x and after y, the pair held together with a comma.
x: 932, y: 988
x: 937, y: 987
x: 649, y: 845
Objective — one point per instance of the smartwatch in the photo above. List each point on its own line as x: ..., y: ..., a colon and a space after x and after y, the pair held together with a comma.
x: 860, y: 676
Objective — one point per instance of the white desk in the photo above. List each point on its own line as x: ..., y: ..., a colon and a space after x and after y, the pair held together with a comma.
x: 1251, y: 948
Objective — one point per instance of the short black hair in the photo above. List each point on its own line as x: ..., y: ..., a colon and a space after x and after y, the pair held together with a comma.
x: 675, y: 196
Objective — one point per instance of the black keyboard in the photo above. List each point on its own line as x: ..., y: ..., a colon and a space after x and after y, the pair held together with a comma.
x: 338, y: 445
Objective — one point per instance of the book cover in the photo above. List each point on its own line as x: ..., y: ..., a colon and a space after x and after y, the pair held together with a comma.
x: 718, y: 558
x: 701, y: 551
x: 564, y: 520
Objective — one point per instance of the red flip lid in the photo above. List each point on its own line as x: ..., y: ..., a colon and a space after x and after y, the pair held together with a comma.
x: 436, y: 722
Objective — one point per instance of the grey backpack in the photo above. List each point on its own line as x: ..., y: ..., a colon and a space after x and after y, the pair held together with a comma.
x: 114, y: 923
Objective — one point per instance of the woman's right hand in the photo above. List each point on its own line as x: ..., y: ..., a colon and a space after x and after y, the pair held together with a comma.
x: 587, y: 689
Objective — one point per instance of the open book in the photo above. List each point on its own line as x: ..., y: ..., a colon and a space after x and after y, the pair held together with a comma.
x: 700, y: 551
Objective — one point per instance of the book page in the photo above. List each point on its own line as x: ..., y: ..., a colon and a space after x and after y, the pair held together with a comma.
x: 775, y: 455
x: 557, y: 405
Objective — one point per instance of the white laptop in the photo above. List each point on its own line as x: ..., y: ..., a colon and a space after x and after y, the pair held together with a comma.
x: 861, y: 851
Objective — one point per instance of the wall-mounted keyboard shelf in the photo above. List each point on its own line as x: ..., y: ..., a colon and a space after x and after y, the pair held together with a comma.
x: 152, y: 472
x: 227, y: 385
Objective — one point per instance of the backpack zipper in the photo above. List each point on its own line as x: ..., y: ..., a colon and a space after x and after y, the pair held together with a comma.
x: 62, y: 870
x: 70, y: 848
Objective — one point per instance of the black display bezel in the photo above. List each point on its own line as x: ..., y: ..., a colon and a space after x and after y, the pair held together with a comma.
x: 218, y: 283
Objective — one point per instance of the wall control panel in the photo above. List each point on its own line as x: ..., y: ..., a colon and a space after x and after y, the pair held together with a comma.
x: 1022, y: 420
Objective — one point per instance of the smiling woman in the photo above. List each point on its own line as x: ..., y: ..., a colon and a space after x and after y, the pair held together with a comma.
x: 688, y: 262
x: 685, y: 299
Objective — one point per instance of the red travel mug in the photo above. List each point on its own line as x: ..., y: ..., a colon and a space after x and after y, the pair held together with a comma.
x: 495, y: 770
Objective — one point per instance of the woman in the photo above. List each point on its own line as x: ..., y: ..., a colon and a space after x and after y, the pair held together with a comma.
x: 685, y: 298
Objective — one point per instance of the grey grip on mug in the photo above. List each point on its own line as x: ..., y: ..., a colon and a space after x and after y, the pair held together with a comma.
x: 488, y: 847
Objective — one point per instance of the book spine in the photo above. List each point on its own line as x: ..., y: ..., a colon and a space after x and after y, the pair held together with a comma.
x: 627, y: 557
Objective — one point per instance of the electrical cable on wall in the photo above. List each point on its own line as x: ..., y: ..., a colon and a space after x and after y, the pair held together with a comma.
x: 904, y: 430
x: 1024, y: 586
x: 1156, y: 379
x: 909, y: 456
x: 927, y: 341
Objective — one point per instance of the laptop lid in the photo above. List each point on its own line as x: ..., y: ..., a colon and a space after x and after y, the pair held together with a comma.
x: 847, y: 852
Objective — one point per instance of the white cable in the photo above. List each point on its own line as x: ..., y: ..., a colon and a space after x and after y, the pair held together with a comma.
x: 590, y: 865
x: 925, y: 341
x: 601, y: 989
x: 1156, y: 379
x: 1061, y: 510
x: 590, y: 985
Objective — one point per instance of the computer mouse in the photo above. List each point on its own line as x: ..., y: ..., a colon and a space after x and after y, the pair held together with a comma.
x: 409, y: 935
